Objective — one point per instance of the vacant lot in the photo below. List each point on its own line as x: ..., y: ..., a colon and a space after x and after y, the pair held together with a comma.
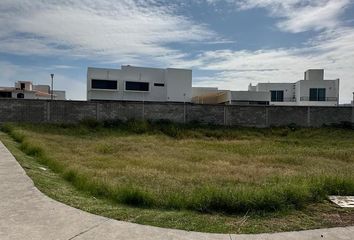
x: 216, y: 171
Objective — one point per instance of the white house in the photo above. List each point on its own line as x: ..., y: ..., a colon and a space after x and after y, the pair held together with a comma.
x: 26, y: 90
x: 139, y: 84
x: 312, y: 91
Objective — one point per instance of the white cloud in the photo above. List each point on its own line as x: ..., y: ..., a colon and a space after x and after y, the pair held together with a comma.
x: 298, y: 15
x: 129, y: 31
x: 105, y: 28
x: 332, y: 50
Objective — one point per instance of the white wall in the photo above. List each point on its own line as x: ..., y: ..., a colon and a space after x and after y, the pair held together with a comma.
x: 288, y: 88
x: 176, y: 83
x: 59, y: 95
x: 314, y: 75
x: 250, y: 96
x: 28, y: 85
x: 332, y: 91
x: 179, y: 85
x: 27, y: 94
x: 42, y: 88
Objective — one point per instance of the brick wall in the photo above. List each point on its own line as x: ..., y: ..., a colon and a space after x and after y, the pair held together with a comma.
x: 36, y: 111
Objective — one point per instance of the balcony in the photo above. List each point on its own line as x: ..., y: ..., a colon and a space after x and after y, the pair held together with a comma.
x: 326, y: 99
x: 284, y: 100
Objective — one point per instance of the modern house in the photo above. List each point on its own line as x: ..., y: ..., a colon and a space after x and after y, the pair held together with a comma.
x: 26, y: 90
x: 139, y: 84
x: 175, y: 85
x: 312, y: 91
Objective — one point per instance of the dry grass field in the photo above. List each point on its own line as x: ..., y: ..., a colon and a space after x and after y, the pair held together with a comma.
x: 205, y: 170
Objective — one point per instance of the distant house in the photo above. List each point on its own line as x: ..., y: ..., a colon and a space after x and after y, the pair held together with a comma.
x: 313, y: 90
x: 26, y: 90
x: 139, y: 84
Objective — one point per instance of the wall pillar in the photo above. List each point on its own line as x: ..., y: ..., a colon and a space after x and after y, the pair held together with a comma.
x: 48, y: 111
x: 224, y: 115
x: 308, y: 117
x: 97, y: 112
x: 184, y: 113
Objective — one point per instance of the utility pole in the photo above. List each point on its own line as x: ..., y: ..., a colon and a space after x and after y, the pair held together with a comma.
x: 51, y: 89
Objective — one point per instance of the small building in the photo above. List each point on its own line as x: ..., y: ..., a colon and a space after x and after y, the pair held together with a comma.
x: 139, y: 84
x: 26, y: 90
x: 313, y: 90
x: 204, y: 95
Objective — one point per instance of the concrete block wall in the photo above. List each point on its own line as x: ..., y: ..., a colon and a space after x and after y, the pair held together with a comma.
x: 37, y: 111
x: 24, y: 111
x: 248, y: 116
x: 323, y: 115
x: 291, y: 114
x: 211, y: 114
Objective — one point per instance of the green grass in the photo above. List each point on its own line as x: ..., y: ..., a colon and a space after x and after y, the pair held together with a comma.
x: 180, y: 174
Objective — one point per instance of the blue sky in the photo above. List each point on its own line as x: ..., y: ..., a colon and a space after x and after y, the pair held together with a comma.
x: 227, y: 43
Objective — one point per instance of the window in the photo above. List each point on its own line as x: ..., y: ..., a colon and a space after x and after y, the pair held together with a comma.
x: 317, y: 94
x: 277, y: 96
x: 104, y: 84
x: 159, y: 84
x: 20, y: 95
x: 137, y: 86
x: 23, y: 86
x: 5, y: 95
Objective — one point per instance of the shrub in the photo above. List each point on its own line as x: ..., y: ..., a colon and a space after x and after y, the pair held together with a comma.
x: 138, y: 126
x: 133, y: 196
x: 113, y: 123
x: 90, y: 123
x: 31, y: 150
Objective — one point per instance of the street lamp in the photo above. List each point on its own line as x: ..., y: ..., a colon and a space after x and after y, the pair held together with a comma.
x: 51, y: 95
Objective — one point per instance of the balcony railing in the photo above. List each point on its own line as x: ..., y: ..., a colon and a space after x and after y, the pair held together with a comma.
x: 327, y: 99
x: 285, y: 100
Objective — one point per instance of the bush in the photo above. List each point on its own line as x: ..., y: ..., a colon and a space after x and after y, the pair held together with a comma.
x: 90, y: 123
x: 138, y: 126
x: 113, y: 123
x: 133, y: 196
x: 344, y: 125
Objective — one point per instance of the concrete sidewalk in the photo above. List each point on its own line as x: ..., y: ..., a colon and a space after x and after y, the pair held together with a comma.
x: 26, y: 213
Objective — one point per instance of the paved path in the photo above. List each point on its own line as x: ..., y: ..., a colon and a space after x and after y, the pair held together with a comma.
x: 26, y: 213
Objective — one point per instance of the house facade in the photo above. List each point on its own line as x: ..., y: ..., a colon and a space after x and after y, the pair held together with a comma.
x: 26, y: 90
x: 313, y: 90
x: 139, y: 84
x: 175, y: 85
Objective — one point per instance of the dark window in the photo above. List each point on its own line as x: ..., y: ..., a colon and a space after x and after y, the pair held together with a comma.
x: 20, y: 95
x: 137, y: 86
x: 277, y: 96
x: 104, y: 84
x: 23, y: 86
x: 317, y: 94
x: 5, y: 95
x: 321, y: 94
x: 159, y: 84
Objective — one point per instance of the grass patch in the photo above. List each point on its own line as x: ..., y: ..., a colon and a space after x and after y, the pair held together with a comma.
x: 194, y: 168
